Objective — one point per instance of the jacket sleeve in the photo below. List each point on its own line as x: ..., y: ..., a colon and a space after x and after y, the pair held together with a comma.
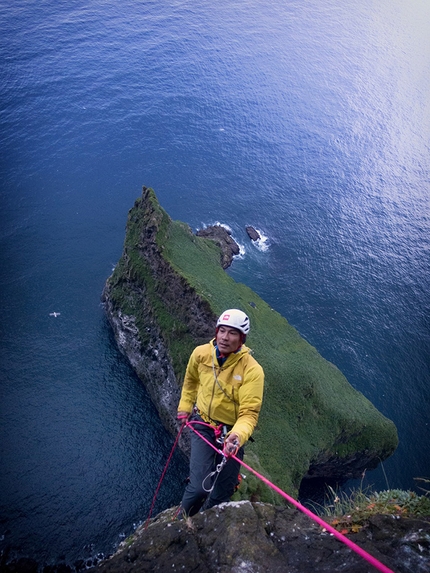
x: 250, y: 401
x: 191, y: 383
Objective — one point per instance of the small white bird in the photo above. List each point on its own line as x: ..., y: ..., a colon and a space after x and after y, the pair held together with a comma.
x: 54, y: 314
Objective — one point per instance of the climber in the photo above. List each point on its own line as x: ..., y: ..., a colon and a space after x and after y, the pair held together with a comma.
x: 222, y: 393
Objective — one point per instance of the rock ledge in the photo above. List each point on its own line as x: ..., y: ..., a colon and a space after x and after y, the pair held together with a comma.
x: 222, y: 237
x: 262, y: 538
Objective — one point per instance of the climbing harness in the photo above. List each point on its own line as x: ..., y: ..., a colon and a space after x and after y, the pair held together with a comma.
x: 220, y: 434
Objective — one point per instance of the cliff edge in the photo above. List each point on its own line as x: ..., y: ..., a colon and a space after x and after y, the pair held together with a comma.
x: 163, y: 299
x: 263, y: 538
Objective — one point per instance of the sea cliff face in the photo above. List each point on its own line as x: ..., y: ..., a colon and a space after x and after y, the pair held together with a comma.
x: 163, y: 299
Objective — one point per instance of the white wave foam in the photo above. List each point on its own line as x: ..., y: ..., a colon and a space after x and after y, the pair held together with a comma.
x: 242, y: 250
x: 217, y: 223
x: 262, y: 244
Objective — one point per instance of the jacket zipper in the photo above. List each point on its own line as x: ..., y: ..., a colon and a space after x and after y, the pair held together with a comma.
x: 212, y: 397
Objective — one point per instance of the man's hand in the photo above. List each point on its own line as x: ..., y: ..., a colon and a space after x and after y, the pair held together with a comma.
x: 181, y: 418
x: 231, y: 445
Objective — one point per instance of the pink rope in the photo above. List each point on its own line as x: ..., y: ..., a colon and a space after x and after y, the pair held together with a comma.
x: 372, y: 560
x: 164, y: 473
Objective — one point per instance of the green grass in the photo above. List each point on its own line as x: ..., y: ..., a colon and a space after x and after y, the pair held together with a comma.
x: 132, y: 270
x: 307, y: 399
x: 350, y: 512
x: 309, y: 408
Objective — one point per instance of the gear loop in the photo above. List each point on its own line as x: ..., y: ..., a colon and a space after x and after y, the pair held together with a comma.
x: 215, y: 473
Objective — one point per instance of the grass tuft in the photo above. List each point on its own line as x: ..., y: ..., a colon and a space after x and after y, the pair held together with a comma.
x: 349, y: 513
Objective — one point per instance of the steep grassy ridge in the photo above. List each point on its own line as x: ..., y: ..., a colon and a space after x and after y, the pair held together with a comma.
x: 313, y: 421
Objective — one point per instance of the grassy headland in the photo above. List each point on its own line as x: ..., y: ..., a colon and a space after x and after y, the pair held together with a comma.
x: 312, y: 418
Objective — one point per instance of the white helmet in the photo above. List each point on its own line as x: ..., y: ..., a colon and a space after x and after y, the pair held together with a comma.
x: 235, y: 319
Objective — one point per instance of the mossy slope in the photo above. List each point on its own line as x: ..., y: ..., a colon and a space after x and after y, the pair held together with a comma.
x: 313, y: 422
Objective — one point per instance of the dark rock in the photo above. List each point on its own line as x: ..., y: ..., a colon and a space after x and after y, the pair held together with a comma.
x: 260, y: 538
x: 253, y: 234
x: 223, y: 239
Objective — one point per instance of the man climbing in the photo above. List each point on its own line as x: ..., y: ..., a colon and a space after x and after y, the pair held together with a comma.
x: 222, y: 392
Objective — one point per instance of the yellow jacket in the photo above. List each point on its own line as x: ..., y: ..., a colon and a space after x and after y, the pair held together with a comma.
x: 231, y: 394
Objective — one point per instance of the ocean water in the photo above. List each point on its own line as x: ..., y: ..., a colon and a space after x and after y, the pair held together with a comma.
x: 308, y: 120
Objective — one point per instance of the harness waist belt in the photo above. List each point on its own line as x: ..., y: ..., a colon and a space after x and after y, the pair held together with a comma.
x: 208, y: 420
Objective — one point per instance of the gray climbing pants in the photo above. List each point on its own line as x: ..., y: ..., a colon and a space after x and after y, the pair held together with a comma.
x: 203, y: 462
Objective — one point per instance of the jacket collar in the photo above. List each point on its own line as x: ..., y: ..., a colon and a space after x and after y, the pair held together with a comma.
x: 232, y: 358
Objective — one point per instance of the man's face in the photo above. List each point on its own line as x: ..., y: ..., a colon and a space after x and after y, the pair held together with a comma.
x: 228, y: 339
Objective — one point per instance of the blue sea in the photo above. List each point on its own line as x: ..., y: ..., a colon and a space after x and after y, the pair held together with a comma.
x: 309, y: 120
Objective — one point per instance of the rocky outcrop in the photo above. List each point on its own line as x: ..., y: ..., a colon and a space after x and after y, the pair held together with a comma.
x: 253, y: 234
x: 141, y: 276
x: 222, y: 237
x: 245, y: 537
x: 261, y: 538
x: 163, y: 299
